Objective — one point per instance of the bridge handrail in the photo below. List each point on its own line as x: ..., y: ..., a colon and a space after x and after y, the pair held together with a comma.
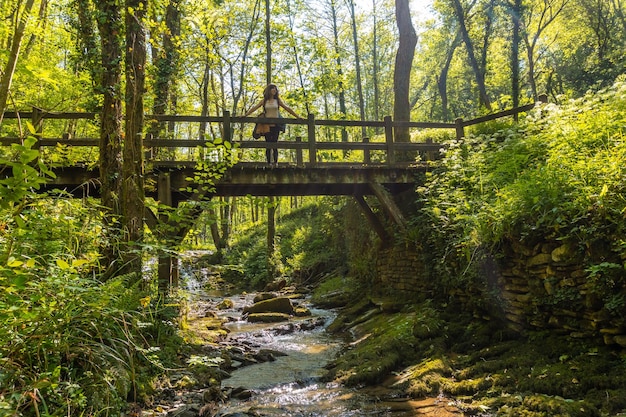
x: 389, y: 145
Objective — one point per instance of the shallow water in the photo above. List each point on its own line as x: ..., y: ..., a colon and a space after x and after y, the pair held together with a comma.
x: 290, y: 386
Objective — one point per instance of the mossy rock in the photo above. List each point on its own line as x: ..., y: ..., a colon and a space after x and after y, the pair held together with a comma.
x: 225, y: 304
x: 273, y: 305
x: 267, y: 317
x: 262, y: 296
x: 302, y: 312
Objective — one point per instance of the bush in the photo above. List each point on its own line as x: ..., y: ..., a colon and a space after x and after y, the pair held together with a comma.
x: 558, y: 174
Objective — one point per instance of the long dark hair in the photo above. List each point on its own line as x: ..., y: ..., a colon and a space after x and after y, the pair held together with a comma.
x: 267, y: 93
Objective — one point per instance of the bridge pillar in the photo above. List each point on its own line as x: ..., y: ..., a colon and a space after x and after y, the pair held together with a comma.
x: 167, y: 271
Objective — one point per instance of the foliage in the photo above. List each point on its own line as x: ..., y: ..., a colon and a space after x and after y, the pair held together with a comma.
x: 306, y: 247
x: 558, y: 174
x: 69, y: 344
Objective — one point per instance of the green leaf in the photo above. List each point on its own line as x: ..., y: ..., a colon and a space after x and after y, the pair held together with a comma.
x: 62, y: 264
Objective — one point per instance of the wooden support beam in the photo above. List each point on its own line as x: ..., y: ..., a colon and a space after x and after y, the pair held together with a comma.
x: 167, y: 271
x: 373, y: 220
x: 390, y: 207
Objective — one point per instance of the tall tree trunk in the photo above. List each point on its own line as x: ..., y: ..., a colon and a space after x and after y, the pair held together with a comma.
x: 215, y: 231
x: 478, y: 74
x: 87, y: 44
x: 487, y: 32
x: 357, y: 66
x: 271, y: 234
x: 228, y: 207
x: 133, y: 186
x: 297, y: 58
x: 244, y: 56
x: 268, y: 44
x: 375, y: 66
x: 442, y: 79
x: 43, y: 20
x: 166, y: 59
x: 544, y: 13
x: 6, y: 77
x: 111, y: 28
x: 340, y: 86
x: 515, y: 41
x: 402, y: 70
x: 271, y: 208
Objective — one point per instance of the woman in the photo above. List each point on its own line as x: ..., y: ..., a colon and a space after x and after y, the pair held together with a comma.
x: 271, y: 104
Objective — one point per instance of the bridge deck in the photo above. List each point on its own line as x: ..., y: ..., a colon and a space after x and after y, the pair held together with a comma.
x: 259, y: 179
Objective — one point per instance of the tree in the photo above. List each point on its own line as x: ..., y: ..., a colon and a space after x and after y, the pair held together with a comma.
x: 469, y: 46
x: 375, y: 62
x: 341, y: 92
x: 166, y: 59
x: 516, y: 12
x: 133, y: 203
x: 536, y: 19
x: 110, y: 26
x: 403, y: 64
x: 357, y: 65
x: 442, y: 78
x: 6, y: 78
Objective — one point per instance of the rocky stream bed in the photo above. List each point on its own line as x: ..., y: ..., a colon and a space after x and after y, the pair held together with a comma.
x: 279, y: 354
x: 267, y: 354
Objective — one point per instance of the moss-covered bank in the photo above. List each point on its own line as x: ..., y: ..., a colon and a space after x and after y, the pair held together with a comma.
x: 433, y: 349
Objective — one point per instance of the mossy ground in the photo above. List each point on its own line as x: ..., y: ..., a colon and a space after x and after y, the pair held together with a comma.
x: 441, y: 350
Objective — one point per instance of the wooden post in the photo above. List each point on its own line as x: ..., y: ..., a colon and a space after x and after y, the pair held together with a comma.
x: 429, y: 155
x: 227, y: 135
x: 227, y: 131
x: 299, y: 162
x: 311, y: 139
x: 148, y: 153
x: 391, y: 157
x: 366, y: 152
x: 460, y: 130
x: 37, y: 122
x: 168, y: 264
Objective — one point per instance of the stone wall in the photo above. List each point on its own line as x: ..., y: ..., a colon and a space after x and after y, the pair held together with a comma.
x: 543, y: 286
x: 397, y: 272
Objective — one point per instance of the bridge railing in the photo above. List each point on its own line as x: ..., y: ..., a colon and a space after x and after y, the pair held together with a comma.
x: 185, y: 139
x: 306, y: 144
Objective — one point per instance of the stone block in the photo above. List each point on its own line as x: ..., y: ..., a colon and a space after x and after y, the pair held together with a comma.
x: 540, y: 259
x: 620, y: 340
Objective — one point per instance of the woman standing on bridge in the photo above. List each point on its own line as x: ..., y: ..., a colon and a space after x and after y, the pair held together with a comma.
x: 271, y: 104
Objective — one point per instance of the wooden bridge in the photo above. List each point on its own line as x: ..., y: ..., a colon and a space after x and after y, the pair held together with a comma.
x: 319, y: 164
x: 309, y: 167
x: 314, y: 160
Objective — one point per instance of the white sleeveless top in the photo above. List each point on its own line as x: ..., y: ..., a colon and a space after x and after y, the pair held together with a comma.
x: 271, y: 108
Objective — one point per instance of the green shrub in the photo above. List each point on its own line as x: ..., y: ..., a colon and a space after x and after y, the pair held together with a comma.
x: 558, y: 174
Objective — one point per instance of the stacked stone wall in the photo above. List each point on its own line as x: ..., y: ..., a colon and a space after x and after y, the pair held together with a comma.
x: 398, y: 271
x: 543, y: 286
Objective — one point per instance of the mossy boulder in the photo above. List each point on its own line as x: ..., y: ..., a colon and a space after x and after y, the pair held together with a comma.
x: 267, y: 317
x: 273, y: 305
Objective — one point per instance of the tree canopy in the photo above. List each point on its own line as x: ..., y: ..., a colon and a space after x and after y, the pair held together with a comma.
x: 211, y: 56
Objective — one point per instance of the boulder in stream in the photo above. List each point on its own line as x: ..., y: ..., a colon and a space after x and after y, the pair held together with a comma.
x: 273, y: 305
x: 267, y: 317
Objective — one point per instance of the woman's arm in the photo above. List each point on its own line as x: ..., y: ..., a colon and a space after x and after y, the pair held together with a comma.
x: 289, y: 110
x: 253, y: 108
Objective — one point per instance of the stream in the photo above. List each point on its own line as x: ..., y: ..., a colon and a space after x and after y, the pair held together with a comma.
x: 290, y: 384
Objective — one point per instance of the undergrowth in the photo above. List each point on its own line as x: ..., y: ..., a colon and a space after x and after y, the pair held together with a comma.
x: 556, y: 175
x: 70, y: 344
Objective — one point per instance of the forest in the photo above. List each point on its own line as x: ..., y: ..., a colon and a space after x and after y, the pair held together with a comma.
x: 85, y: 328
